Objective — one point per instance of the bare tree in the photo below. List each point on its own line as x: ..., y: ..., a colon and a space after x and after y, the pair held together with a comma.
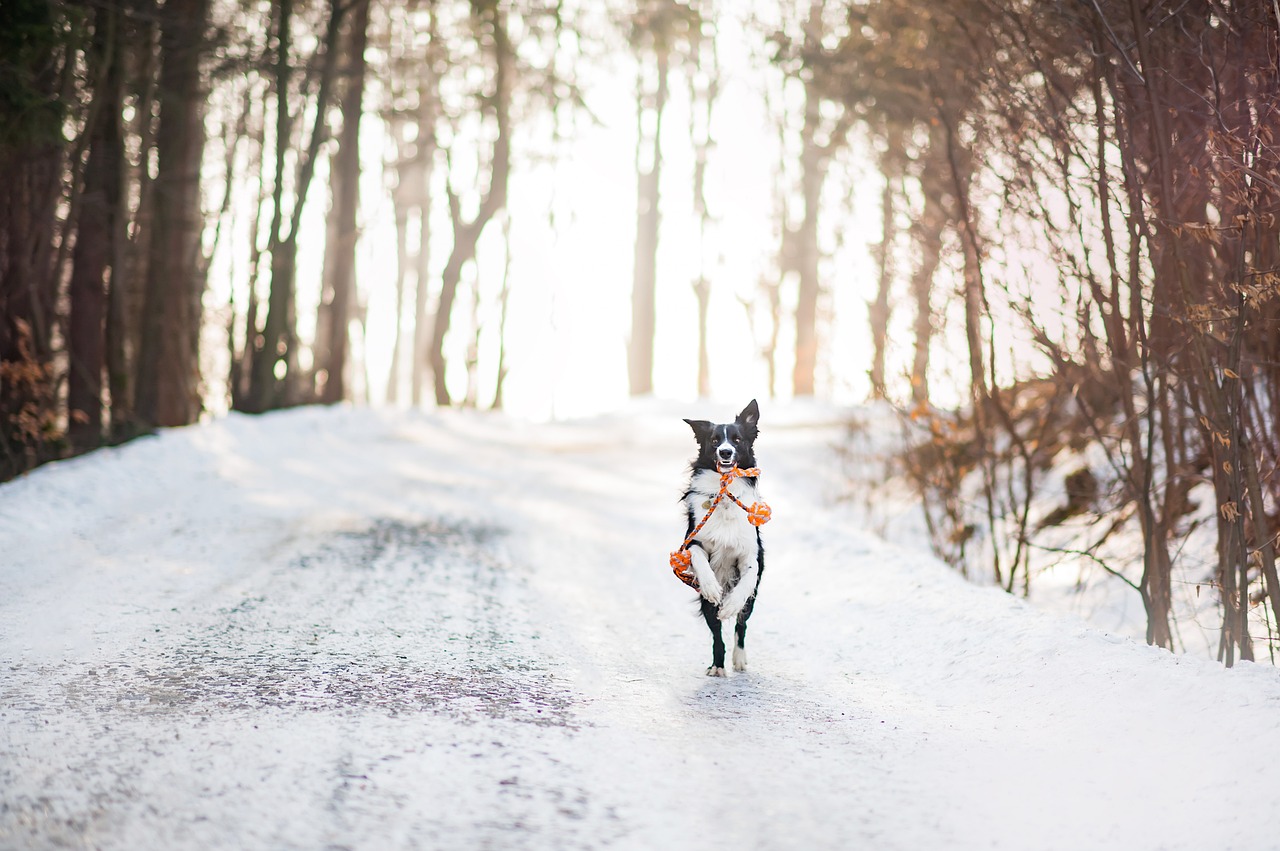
x: 658, y: 27
x: 338, y: 298
x: 274, y: 372
x: 31, y: 151
x: 815, y: 69
x: 96, y: 234
x: 704, y: 88
x: 168, y: 369
x: 879, y: 311
x: 490, y: 21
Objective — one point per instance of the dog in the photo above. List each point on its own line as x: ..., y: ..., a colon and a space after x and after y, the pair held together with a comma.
x: 727, y: 555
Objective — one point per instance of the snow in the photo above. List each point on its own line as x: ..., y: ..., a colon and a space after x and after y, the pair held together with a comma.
x: 375, y: 629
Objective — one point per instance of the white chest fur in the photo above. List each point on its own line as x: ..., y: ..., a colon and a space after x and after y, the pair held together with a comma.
x: 728, y: 528
x: 726, y: 562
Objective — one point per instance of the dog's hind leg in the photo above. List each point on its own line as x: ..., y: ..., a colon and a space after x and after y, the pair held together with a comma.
x: 710, y: 615
x: 740, y: 629
x: 740, y: 636
x: 742, y: 592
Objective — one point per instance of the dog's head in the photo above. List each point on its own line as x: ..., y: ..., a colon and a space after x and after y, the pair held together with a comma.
x: 725, y: 445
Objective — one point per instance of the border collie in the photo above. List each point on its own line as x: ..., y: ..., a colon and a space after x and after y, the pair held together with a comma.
x: 727, y: 556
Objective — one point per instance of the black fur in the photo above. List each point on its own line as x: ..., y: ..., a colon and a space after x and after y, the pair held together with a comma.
x: 741, y: 433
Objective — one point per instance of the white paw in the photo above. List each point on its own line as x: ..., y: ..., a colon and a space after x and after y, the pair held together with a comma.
x: 713, y: 671
x: 711, y: 593
x: 739, y: 658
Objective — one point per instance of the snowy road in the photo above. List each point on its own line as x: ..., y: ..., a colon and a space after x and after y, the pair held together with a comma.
x: 352, y: 629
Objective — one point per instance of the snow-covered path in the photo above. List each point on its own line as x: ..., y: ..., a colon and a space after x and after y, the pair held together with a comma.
x: 359, y: 629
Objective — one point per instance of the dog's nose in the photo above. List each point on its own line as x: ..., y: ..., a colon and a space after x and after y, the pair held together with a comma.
x: 726, y: 454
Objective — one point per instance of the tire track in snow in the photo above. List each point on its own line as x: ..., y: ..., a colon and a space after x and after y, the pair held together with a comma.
x: 395, y: 677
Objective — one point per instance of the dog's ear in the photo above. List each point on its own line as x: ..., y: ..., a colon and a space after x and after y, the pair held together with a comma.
x: 750, y: 417
x: 701, y: 429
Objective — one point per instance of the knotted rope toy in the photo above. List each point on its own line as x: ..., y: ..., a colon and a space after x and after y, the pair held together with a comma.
x: 758, y: 514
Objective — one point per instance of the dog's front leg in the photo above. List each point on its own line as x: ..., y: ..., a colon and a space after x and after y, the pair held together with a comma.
x: 708, y: 585
x: 741, y: 592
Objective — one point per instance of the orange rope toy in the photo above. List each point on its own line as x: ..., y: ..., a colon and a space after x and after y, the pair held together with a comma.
x: 758, y: 514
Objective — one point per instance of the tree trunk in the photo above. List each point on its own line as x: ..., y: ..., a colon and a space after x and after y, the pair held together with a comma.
x: 805, y: 241
x: 346, y: 199
x: 504, y: 299
x: 961, y: 171
x: 31, y: 153
x: 422, y: 325
x: 321, y: 343
x: 422, y: 322
x: 96, y: 234
x: 805, y: 245
x: 242, y: 361
x: 464, y: 249
x: 127, y: 296
x: 402, y: 268
x: 1155, y: 591
x: 466, y: 234
x: 168, y: 368
x: 267, y: 350
x: 273, y: 377
x: 645, y: 267
x: 704, y: 100
x: 879, y: 311
x: 423, y: 172
x: 928, y: 240
x: 472, y: 397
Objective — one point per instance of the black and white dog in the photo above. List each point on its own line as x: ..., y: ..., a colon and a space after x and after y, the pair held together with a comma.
x: 726, y: 556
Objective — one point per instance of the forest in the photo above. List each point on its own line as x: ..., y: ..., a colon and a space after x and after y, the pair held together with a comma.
x: 1037, y: 230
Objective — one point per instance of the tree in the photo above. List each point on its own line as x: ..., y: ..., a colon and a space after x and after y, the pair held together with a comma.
x: 96, y: 249
x: 878, y: 312
x: 168, y: 365
x: 704, y: 88
x: 274, y: 373
x: 37, y: 60
x: 415, y: 62
x: 1132, y: 145
x: 336, y: 304
x: 657, y: 29
x: 490, y: 21
x: 816, y: 71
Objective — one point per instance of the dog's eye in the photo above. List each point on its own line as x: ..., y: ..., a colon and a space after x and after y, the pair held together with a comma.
x: 737, y: 440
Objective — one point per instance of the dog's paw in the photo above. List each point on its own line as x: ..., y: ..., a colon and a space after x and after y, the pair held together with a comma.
x: 711, y: 593
x: 739, y: 658
x: 713, y: 671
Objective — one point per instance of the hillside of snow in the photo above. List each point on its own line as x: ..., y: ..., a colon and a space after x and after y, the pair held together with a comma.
x: 373, y: 629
